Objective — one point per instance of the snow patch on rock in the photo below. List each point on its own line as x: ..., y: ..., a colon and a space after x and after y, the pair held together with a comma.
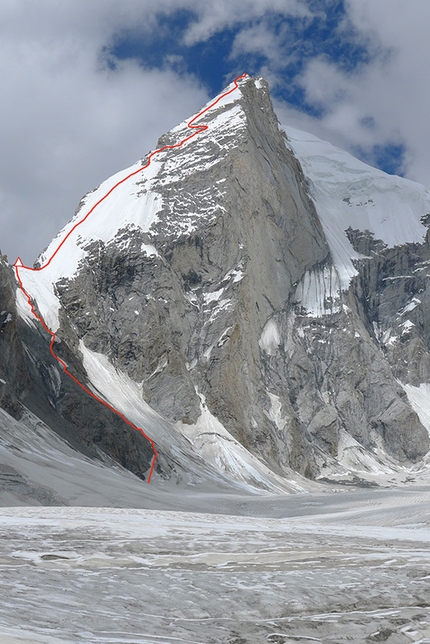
x: 419, y: 397
x: 218, y: 447
x: 318, y: 291
x: 270, y: 338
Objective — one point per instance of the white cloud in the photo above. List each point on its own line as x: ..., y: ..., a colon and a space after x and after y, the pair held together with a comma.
x: 68, y: 120
x: 391, y: 92
x: 398, y: 93
x: 223, y: 14
x: 259, y: 39
x: 349, y: 113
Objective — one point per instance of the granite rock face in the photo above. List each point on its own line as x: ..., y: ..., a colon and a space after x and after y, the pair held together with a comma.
x: 203, y: 305
x: 232, y: 241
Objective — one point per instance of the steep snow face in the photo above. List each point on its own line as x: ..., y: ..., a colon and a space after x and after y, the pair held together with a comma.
x: 351, y: 194
x: 131, y: 199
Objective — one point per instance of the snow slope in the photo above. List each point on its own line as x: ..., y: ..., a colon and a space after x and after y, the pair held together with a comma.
x: 419, y: 397
x: 349, y: 193
x: 208, y: 437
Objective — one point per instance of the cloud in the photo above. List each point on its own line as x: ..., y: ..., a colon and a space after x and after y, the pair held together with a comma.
x: 383, y: 101
x: 398, y: 93
x: 69, y: 119
x: 212, y: 17
x: 260, y: 39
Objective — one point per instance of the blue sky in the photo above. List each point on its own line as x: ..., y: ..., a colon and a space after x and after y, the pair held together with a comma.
x: 220, y: 57
x: 88, y: 87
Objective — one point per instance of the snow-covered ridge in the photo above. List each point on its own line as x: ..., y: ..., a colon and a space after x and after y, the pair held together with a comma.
x: 349, y: 193
x: 136, y: 201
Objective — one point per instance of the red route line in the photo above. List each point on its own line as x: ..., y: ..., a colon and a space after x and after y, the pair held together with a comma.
x: 18, y: 265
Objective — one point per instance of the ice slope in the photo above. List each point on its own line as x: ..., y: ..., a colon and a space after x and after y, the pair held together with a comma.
x: 419, y: 397
x: 349, y: 193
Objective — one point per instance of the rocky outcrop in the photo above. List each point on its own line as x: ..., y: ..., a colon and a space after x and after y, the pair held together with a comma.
x: 393, y: 293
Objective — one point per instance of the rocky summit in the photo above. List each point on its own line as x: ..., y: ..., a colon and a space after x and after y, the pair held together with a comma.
x: 256, y: 299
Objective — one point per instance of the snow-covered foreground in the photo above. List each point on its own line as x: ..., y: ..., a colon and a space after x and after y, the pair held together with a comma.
x: 347, y: 567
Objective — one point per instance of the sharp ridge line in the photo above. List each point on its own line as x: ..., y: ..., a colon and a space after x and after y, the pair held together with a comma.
x: 18, y: 265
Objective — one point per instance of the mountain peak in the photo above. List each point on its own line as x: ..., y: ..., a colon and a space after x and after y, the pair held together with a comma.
x: 223, y: 281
